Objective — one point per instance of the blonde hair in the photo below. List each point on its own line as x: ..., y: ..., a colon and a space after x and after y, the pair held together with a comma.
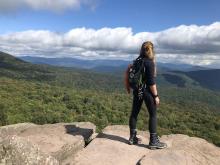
x: 147, y: 51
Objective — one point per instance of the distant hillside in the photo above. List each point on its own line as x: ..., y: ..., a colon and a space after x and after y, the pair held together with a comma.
x: 12, y: 67
x: 7, y: 60
x: 206, y: 78
x: 16, y: 68
x: 180, y: 67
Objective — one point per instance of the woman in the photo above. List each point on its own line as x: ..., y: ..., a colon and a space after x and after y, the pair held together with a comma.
x: 150, y: 97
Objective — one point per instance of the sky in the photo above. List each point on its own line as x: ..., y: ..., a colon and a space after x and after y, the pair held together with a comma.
x: 183, y: 31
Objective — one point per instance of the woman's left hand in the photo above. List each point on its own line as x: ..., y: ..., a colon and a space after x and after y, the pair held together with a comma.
x: 157, y: 101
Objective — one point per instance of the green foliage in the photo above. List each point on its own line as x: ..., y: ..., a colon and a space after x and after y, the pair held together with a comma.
x: 23, y: 101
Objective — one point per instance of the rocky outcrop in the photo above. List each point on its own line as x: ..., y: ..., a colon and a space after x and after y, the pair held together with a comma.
x: 61, y: 140
x: 64, y: 143
x: 110, y: 147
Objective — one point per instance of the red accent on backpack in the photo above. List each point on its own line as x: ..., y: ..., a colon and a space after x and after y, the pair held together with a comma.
x: 126, y: 82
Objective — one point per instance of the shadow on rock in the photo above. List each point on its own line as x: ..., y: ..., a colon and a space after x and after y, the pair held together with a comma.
x: 112, y: 137
x: 74, y: 130
x: 119, y: 138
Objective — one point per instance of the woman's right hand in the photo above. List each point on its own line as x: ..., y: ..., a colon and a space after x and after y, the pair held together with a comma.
x: 157, y: 101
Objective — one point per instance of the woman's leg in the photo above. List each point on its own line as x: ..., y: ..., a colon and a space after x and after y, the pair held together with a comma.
x: 133, y: 119
x: 152, y: 109
x: 154, y: 142
x: 136, y: 106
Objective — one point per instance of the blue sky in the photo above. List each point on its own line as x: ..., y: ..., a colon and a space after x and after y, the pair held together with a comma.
x: 184, y: 31
x: 141, y: 15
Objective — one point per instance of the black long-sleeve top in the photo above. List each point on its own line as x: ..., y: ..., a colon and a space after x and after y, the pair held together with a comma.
x: 149, y: 72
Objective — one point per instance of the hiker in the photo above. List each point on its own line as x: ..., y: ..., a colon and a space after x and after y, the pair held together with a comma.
x: 147, y: 92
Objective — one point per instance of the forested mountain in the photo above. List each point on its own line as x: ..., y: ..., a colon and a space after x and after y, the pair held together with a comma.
x: 48, y: 94
x: 206, y: 78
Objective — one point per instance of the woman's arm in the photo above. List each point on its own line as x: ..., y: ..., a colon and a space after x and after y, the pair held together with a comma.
x: 153, y: 89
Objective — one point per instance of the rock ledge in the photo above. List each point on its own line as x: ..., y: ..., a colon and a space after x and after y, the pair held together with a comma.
x: 64, y: 143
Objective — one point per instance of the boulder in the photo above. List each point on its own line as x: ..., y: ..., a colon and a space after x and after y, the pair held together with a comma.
x: 19, y: 151
x: 110, y: 147
x: 60, y: 140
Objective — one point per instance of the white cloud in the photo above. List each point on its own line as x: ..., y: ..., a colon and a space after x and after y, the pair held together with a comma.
x: 51, y: 5
x: 192, y: 44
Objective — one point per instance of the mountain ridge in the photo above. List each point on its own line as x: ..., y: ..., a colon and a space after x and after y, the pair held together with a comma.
x: 93, y: 64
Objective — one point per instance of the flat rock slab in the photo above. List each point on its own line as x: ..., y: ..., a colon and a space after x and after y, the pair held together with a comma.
x: 185, y: 150
x: 110, y: 148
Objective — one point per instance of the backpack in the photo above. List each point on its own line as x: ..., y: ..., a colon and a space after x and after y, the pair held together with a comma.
x: 134, y: 76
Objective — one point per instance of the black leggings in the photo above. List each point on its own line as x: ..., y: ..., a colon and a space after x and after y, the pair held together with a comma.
x: 151, y: 106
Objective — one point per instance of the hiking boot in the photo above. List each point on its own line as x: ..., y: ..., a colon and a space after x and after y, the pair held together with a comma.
x: 155, y: 142
x: 133, y: 137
